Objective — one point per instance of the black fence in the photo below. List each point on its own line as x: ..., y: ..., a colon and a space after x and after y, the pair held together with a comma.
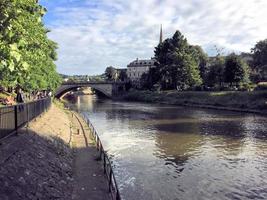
x: 14, y: 117
x: 107, y: 167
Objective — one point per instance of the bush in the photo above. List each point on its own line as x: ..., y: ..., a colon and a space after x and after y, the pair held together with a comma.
x: 247, y: 87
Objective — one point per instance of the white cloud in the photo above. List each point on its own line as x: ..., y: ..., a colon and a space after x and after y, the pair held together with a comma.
x: 99, y: 33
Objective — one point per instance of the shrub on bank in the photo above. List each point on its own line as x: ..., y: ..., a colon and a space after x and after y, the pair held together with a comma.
x: 233, y: 99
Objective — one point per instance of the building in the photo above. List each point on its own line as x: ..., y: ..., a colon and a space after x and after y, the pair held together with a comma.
x: 137, y: 68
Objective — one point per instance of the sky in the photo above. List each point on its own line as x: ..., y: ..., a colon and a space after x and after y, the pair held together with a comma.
x: 95, y: 34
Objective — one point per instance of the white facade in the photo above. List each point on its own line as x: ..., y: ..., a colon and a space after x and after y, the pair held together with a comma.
x: 137, y: 68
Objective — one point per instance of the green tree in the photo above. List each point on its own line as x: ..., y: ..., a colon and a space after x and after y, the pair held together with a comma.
x: 122, y: 75
x: 176, y: 63
x: 236, y: 70
x: 259, y: 53
x: 145, y: 81
x: 27, y: 55
x: 201, y: 58
x: 111, y: 74
x: 215, y: 74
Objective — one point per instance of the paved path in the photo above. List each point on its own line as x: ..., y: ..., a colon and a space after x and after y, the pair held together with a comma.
x: 39, y: 162
x: 89, y: 179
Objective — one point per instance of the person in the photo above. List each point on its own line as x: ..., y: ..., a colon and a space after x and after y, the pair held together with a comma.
x: 20, y: 100
x: 20, y: 96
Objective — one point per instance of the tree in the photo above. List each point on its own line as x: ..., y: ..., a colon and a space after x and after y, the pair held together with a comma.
x: 176, y: 63
x: 259, y: 53
x: 215, y: 74
x: 111, y: 73
x: 236, y: 70
x: 201, y: 58
x: 26, y: 54
x: 145, y: 81
x: 122, y: 75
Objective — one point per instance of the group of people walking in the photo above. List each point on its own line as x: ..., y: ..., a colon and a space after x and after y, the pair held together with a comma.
x: 21, y: 97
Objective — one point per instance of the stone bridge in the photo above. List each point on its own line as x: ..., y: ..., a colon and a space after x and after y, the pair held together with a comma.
x: 110, y: 89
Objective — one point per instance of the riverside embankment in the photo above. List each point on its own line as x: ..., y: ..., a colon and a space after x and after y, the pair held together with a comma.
x: 50, y: 160
x: 253, y: 102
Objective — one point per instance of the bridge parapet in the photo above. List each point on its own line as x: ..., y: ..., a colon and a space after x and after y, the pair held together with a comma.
x: 110, y: 89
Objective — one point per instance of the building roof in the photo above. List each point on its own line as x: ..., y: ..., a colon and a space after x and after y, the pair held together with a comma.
x: 141, y: 63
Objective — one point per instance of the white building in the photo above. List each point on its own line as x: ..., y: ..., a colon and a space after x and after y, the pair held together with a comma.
x: 137, y: 68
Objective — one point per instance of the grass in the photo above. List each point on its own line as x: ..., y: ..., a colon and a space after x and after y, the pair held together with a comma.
x: 256, y: 100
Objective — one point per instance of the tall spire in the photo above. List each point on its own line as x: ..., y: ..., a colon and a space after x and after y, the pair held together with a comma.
x: 161, y: 35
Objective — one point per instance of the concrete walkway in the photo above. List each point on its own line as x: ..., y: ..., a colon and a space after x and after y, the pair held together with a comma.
x: 39, y: 162
x: 89, y: 179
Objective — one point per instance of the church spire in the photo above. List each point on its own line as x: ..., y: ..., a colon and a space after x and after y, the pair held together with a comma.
x: 161, y: 35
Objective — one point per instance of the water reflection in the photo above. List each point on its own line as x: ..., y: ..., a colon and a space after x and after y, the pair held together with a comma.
x: 167, y: 152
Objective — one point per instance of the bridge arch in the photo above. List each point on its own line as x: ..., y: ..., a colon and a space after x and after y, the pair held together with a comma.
x: 67, y: 88
x: 110, y: 89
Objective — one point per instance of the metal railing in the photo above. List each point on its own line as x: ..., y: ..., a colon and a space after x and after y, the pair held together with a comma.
x: 14, y: 117
x: 107, y: 167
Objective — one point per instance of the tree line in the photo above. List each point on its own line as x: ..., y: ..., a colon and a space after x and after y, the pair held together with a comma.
x: 183, y: 66
x: 27, y: 55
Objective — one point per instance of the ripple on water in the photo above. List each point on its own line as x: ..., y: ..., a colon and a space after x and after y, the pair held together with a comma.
x: 166, y: 152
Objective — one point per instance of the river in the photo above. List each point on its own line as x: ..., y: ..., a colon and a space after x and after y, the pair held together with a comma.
x: 170, y: 152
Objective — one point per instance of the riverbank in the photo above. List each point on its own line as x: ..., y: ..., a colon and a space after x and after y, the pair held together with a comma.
x: 253, y: 102
x: 50, y: 160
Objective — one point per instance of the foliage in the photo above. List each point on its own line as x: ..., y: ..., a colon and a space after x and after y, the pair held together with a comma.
x: 247, y: 86
x: 148, y: 80
x: 122, y: 74
x: 202, y: 59
x: 215, y: 75
x: 255, y: 100
x: 259, y: 53
x: 26, y: 54
x: 177, y: 64
x: 145, y: 81
x: 111, y: 73
x: 236, y: 70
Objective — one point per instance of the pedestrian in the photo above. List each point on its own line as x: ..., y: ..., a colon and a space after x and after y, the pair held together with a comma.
x: 20, y: 99
x: 20, y: 96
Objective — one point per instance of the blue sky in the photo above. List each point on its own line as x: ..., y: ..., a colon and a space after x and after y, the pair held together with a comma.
x: 94, y: 34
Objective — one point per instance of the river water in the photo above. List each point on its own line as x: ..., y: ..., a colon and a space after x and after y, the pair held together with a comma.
x: 169, y: 152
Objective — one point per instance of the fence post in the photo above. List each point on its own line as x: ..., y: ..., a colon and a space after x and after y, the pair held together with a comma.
x: 16, y: 118
x: 104, y: 163
x: 117, y: 196
x: 28, y: 117
x: 110, y: 181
